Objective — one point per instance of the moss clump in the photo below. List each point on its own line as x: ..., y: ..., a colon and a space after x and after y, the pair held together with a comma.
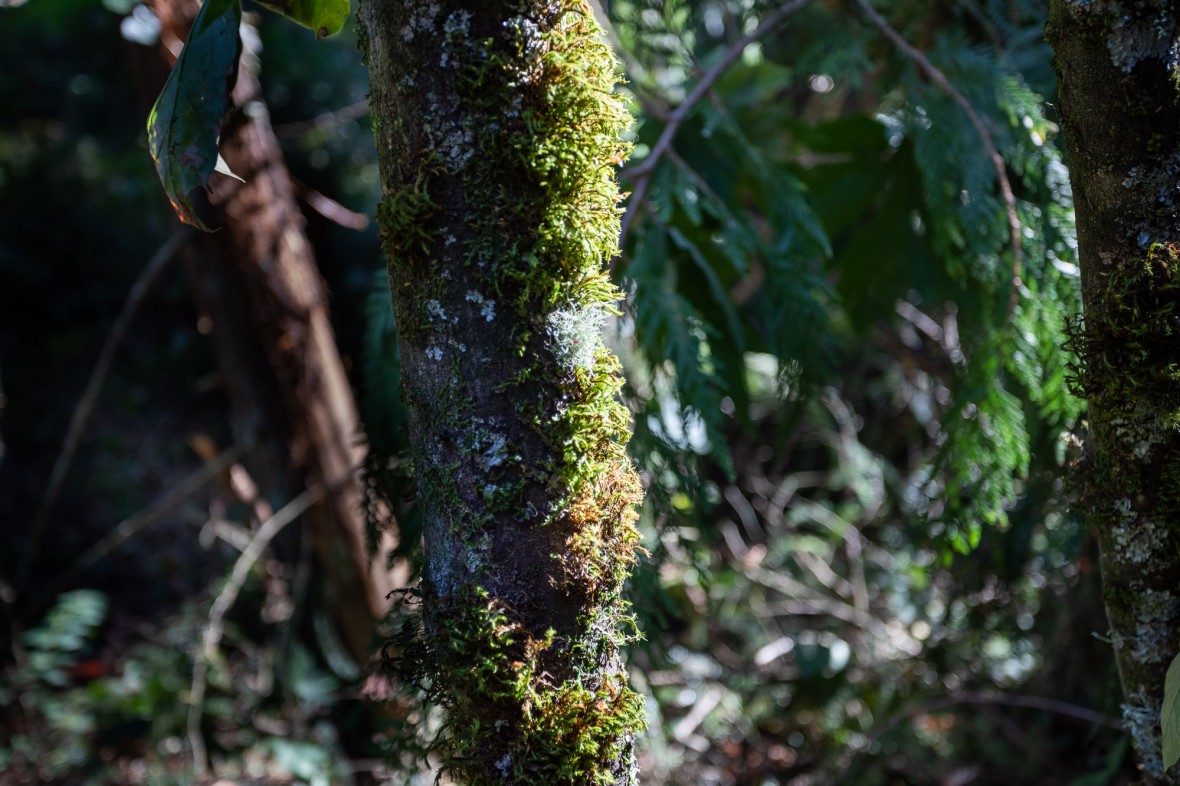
x: 405, y: 218
x: 600, y: 549
x: 1128, y: 345
x: 507, y: 720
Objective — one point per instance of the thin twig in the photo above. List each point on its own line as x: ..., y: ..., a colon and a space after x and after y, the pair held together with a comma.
x: 641, y: 173
x: 634, y: 69
x: 329, y: 208
x: 936, y: 76
x: 1056, y: 706
x: 129, y: 527
x: 85, y: 408
x: 225, y: 600
x: 337, y: 117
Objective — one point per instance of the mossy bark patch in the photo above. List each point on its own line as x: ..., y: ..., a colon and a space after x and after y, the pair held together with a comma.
x: 498, y: 135
x: 1121, y: 116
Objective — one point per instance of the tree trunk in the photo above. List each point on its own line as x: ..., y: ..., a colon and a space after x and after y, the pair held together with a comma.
x: 497, y: 135
x: 277, y: 274
x: 1120, y: 110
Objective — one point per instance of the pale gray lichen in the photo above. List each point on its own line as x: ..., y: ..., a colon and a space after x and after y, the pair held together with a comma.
x: 495, y: 453
x: 574, y: 334
x: 421, y: 20
x: 1135, y: 539
x: 1162, y: 179
x: 436, y: 311
x: 457, y: 25
x: 1141, y: 717
x: 1142, y: 430
x: 1139, y: 30
x: 1155, y: 615
x: 475, y: 554
x: 487, y: 307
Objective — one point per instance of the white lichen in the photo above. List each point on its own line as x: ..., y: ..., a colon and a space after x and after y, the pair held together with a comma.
x: 487, y: 308
x: 496, y: 453
x: 1132, y: 38
x: 1142, y: 430
x: 1155, y: 615
x: 574, y: 334
x: 421, y: 19
x: 436, y: 311
x: 1141, y: 718
x: 457, y: 25
x: 434, y: 352
x: 1136, y: 540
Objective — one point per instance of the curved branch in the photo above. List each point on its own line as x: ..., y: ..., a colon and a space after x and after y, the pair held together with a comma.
x: 977, y: 699
x: 935, y: 75
x: 225, y: 600
x: 85, y: 408
x: 641, y: 172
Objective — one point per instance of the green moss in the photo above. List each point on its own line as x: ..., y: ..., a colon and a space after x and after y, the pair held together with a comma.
x: 529, y: 143
x: 507, y: 720
x: 405, y: 220
x: 362, y: 43
x: 1128, y: 347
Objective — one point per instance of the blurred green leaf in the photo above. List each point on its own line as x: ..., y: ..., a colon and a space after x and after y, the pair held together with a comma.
x: 186, y: 119
x: 1170, y: 714
x: 70, y: 623
x: 306, y: 680
x: 325, y: 17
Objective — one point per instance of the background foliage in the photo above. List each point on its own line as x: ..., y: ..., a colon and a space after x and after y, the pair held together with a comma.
x: 862, y: 567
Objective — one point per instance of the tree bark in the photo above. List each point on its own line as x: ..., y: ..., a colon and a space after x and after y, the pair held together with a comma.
x: 276, y: 272
x: 497, y: 135
x: 1120, y: 110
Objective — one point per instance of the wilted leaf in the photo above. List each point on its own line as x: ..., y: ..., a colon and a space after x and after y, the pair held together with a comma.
x: 186, y: 118
x: 325, y: 17
x: 1170, y: 714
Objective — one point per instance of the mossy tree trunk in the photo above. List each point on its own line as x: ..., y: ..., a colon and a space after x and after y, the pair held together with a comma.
x: 498, y: 136
x: 1120, y: 110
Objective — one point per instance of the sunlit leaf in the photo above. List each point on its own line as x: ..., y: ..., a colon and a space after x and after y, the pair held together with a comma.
x: 325, y: 17
x: 185, y: 121
x: 1170, y: 714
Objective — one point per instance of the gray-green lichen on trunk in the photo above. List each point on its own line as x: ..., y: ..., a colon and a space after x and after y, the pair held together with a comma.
x: 497, y: 135
x: 1117, y: 65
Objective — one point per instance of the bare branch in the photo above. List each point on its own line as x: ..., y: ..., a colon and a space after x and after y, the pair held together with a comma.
x: 323, y: 122
x: 129, y: 527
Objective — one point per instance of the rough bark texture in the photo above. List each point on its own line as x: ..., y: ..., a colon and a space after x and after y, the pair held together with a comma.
x: 276, y: 272
x: 497, y: 134
x: 1120, y: 109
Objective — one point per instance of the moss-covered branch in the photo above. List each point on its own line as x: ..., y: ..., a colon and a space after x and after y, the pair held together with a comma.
x: 498, y: 136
